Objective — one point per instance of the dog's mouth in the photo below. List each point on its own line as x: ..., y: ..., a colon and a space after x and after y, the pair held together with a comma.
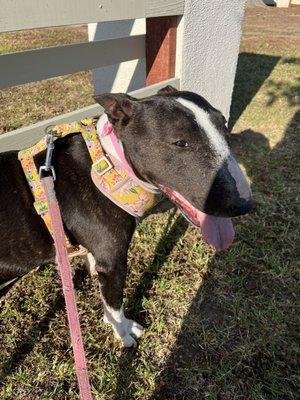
x: 217, y: 231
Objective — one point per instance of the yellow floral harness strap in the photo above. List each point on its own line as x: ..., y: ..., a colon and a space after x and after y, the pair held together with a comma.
x: 112, y: 177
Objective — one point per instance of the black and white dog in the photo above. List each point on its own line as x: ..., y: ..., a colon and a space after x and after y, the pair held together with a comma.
x: 176, y: 141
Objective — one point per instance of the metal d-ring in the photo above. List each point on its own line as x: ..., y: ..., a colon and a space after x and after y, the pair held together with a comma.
x: 48, y: 167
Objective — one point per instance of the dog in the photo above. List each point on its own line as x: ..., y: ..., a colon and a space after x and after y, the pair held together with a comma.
x: 174, y: 140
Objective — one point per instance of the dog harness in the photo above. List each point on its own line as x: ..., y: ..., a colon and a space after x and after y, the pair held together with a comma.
x: 111, y: 173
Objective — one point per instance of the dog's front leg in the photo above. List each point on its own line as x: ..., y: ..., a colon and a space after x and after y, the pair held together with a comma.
x: 112, y: 279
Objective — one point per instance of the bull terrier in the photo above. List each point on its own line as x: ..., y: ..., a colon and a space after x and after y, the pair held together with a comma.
x: 175, y: 141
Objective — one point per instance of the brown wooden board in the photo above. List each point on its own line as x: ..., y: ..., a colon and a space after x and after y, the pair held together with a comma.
x: 160, y: 48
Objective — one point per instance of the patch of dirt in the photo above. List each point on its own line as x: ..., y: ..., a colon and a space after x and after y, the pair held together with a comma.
x: 271, y: 28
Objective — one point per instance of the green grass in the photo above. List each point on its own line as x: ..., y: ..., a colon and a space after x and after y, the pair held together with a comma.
x: 219, y: 326
x: 27, y: 104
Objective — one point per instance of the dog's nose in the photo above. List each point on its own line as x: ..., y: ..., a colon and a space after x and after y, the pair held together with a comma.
x: 230, y: 194
x: 238, y: 207
x: 234, y: 206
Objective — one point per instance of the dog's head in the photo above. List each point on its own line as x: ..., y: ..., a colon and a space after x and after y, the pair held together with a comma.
x: 177, y: 141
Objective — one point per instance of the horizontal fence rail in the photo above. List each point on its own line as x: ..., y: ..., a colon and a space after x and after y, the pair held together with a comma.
x: 27, y: 136
x: 28, y: 14
x: 33, y: 65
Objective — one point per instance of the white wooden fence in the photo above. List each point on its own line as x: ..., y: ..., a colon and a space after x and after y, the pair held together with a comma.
x: 33, y: 65
x: 209, y: 32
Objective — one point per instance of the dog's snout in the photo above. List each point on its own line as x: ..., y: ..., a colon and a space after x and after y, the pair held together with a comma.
x: 230, y: 194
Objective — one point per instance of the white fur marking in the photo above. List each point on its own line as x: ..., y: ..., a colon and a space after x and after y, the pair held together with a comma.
x: 124, y: 329
x: 217, y: 142
x: 242, y: 185
x: 91, y: 263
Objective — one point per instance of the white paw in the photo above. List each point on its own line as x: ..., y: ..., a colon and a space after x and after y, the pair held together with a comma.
x: 90, y: 263
x: 126, y: 330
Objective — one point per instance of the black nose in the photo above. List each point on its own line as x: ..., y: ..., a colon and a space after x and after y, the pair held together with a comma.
x: 224, y: 199
x: 233, y: 207
x: 238, y: 207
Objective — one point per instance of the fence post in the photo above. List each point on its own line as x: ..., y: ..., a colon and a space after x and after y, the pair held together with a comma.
x: 211, y: 32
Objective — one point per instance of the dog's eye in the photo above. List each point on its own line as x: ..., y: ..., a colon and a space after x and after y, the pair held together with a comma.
x: 181, y: 143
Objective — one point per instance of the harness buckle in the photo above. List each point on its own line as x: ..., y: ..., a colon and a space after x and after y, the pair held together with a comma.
x: 48, y: 167
x: 102, y: 165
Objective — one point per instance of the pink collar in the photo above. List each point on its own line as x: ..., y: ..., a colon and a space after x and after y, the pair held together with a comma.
x: 116, y: 145
x: 119, y: 183
x: 114, y: 149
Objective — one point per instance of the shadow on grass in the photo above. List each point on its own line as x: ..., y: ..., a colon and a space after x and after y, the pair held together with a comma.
x: 168, y: 241
x: 37, y: 331
x: 252, y: 71
x: 170, y: 237
x: 279, y: 90
x: 237, y: 353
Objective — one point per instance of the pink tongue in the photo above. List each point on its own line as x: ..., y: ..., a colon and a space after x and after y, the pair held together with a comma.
x: 217, y: 232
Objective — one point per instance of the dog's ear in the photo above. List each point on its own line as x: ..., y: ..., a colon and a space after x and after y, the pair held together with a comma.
x: 116, y: 105
x: 167, y: 89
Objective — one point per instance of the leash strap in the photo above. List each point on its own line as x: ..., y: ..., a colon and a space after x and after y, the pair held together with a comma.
x: 62, y: 260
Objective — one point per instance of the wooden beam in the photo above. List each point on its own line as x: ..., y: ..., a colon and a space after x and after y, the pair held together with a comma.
x: 34, y: 65
x: 161, y: 8
x: 160, y: 48
x: 28, y: 14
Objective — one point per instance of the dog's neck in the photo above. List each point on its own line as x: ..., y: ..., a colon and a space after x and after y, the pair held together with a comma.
x: 113, y: 148
x: 110, y: 143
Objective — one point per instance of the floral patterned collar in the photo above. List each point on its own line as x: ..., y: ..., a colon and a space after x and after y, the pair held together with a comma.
x: 121, y: 185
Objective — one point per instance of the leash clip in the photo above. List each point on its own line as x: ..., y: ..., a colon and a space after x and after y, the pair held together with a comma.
x: 48, y: 167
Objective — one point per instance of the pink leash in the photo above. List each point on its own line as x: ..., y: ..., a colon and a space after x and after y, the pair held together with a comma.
x: 62, y: 260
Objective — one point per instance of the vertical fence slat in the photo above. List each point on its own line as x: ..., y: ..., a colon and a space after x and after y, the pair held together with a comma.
x: 160, y: 48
